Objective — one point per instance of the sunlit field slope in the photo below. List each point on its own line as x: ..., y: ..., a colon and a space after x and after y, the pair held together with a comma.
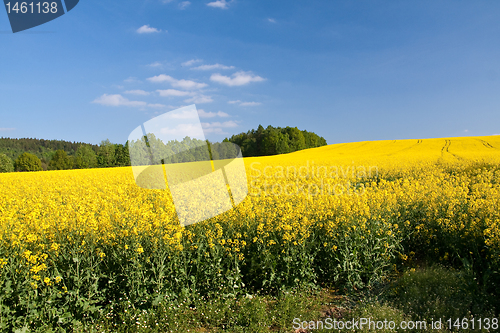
x: 76, y: 244
x: 388, y: 152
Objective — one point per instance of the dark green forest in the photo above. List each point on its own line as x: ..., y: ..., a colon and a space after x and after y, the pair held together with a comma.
x: 37, y: 154
x: 275, y: 140
x: 43, y: 149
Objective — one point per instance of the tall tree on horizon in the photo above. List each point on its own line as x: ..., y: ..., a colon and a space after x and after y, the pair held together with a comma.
x: 106, y: 154
x: 60, y: 161
x: 28, y: 162
x: 85, y: 157
x: 6, y: 164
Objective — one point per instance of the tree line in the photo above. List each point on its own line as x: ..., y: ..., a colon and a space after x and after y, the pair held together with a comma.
x: 26, y: 155
x: 150, y: 150
x: 44, y: 149
x: 275, y: 140
x: 38, y: 155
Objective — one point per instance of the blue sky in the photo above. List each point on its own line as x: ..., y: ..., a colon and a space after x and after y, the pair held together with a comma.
x: 346, y: 70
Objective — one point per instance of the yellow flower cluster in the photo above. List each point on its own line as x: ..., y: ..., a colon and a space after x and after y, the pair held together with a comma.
x: 336, y: 198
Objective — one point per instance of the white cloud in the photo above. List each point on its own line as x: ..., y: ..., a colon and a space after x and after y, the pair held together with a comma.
x: 184, y: 4
x: 244, y: 103
x: 183, y: 130
x: 210, y: 67
x: 204, y: 114
x: 156, y: 64
x: 146, y: 29
x: 217, y: 127
x: 190, y: 62
x: 173, y: 92
x: 5, y: 129
x: 199, y: 99
x: 214, y: 130
x: 222, y: 4
x: 119, y: 100
x: 185, y: 114
x: 188, y: 84
x: 156, y: 105
x: 160, y: 78
x: 137, y: 92
x: 183, y: 84
x: 132, y: 80
x: 226, y: 124
x: 271, y: 20
x: 250, y: 104
x: 237, y: 79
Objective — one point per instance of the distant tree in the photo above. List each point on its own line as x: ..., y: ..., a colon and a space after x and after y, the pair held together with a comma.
x: 28, y: 162
x: 106, y: 154
x: 85, y: 157
x: 139, y: 152
x: 275, y: 140
x: 44, y: 149
x: 122, y: 157
x: 6, y: 164
x: 45, y: 163
x: 268, y: 143
x: 282, y: 146
x: 297, y: 140
x: 60, y: 161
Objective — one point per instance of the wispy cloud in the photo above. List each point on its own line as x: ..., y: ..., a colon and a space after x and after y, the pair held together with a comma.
x: 6, y: 129
x: 146, y: 29
x: 137, y: 92
x: 222, y: 4
x: 237, y: 79
x: 181, y: 115
x: 183, y: 84
x: 199, y: 99
x: 157, y: 106
x: 214, y: 130
x: 244, y: 103
x: 184, y: 4
x: 204, y: 114
x: 271, y: 20
x: 182, y: 130
x: 119, y: 100
x: 218, y: 127
x: 132, y: 80
x: 156, y: 64
x: 250, y: 104
x: 210, y: 67
x: 190, y: 62
x: 173, y: 93
x: 226, y: 124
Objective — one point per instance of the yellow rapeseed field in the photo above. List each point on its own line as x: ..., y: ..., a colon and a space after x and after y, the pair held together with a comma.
x: 73, y: 241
